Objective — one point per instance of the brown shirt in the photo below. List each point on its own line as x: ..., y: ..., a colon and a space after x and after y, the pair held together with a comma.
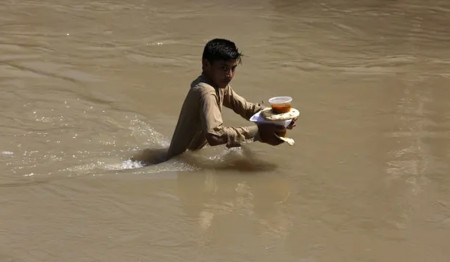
x: 202, y: 114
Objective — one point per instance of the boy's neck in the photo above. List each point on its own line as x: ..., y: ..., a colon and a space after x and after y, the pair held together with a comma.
x: 208, y: 80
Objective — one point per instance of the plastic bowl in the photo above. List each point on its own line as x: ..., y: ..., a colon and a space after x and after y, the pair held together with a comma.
x: 280, y: 104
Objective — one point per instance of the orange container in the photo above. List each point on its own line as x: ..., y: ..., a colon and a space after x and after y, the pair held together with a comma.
x: 280, y: 104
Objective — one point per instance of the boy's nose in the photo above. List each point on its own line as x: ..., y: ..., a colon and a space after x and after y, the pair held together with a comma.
x: 229, y: 73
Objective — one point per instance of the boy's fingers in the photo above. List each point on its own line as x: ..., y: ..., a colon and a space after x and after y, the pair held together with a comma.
x: 292, y: 124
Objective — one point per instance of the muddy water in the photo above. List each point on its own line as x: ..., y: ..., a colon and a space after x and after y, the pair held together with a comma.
x: 85, y: 85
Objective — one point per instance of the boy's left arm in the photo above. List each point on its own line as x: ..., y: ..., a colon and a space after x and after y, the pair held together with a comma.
x: 239, y: 104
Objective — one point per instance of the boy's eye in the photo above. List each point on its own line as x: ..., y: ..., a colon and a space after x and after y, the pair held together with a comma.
x: 226, y: 68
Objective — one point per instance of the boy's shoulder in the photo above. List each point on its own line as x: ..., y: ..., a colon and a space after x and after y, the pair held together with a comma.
x: 201, y: 85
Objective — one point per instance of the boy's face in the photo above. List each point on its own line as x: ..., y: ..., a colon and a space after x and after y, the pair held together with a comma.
x: 220, y: 72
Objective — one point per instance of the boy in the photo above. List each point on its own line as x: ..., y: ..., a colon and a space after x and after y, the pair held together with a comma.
x: 200, y: 121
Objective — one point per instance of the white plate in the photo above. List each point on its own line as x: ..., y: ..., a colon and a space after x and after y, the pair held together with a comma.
x: 257, y: 118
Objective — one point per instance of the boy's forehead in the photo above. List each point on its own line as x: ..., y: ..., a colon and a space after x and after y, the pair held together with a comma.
x: 231, y: 63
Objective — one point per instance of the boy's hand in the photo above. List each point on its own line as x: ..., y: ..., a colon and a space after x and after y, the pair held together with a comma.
x: 267, y: 133
x: 292, y: 124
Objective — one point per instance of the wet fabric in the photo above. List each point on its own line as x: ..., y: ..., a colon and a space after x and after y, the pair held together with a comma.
x: 201, y: 114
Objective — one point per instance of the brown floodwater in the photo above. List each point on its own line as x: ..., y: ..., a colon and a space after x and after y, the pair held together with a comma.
x: 86, y: 85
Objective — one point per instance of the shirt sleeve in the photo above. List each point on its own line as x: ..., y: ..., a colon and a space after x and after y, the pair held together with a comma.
x: 212, y: 123
x: 239, y: 105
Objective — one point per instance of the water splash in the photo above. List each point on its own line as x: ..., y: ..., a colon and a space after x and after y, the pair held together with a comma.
x: 127, y: 164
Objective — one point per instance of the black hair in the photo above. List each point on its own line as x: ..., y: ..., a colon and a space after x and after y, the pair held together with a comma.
x: 221, y: 49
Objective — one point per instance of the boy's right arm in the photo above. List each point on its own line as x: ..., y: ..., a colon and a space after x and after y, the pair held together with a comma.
x: 264, y: 133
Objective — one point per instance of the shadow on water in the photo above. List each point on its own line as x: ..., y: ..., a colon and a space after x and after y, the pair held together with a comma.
x: 239, y: 159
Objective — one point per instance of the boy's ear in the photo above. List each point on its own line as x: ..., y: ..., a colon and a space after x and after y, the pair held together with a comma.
x: 205, y: 64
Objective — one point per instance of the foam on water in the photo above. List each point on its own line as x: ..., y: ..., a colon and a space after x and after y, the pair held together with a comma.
x: 127, y: 164
x: 7, y: 153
